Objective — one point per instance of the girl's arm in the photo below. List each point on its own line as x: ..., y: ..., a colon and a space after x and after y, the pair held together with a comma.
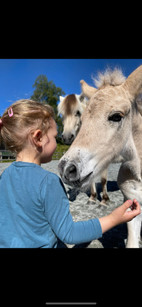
x: 61, y: 221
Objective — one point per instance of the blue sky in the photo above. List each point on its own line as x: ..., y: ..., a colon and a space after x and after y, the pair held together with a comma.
x: 17, y: 76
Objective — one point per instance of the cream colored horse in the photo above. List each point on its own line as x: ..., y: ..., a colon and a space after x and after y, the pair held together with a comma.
x: 71, y: 108
x: 111, y: 126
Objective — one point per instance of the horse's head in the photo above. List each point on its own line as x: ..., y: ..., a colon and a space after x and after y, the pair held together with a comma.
x: 106, y: 130
x: 71, y: 108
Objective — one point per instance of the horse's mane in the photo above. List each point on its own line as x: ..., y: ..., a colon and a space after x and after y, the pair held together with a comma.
x: 109, y: 77
x: 71, y: 101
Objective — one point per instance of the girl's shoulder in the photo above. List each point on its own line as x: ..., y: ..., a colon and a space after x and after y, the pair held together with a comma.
x: 34, y: 169
x: 29, y: 172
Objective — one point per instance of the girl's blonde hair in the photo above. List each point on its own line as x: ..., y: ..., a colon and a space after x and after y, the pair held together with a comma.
x: 20, y: 119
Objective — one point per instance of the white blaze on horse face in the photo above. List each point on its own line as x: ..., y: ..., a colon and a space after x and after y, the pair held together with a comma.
x: 104, y: 132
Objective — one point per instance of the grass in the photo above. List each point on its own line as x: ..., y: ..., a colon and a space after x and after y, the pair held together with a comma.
x: 60, y: 150
x: 7, y: 161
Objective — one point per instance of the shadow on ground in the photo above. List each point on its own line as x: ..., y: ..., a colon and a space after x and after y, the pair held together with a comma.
x: 111, y: 187
x: 114, y: 238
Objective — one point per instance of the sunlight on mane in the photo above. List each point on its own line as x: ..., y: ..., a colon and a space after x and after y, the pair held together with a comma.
x: 111, y: 77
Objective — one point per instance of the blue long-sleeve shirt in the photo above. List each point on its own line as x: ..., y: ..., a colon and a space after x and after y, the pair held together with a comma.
x: 34, y: 210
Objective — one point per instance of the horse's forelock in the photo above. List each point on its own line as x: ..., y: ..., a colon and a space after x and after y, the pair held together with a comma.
x: 70, y: 102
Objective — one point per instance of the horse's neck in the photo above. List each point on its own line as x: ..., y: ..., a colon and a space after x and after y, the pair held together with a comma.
x: 132, y: 152
x: 137, y: 132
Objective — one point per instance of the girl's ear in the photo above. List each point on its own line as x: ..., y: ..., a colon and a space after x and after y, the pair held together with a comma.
x: 37, y: 138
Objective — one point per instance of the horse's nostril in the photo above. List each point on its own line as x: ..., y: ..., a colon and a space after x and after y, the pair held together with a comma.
x: 71, y: 138
x: 68, y: 138
x: 71, y: 172
x: 63, y: 138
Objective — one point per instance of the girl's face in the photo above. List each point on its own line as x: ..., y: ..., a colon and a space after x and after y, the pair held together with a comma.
x: 49, y: 143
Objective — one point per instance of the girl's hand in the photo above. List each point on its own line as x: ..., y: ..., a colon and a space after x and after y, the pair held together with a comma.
x: 124, y: 213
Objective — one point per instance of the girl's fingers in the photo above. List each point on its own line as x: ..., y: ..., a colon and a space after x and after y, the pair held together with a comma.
x: 134, y: 206
x: 128, y: 203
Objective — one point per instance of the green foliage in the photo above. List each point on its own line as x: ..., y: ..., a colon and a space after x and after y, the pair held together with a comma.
x: 60, y: 151
x: 47, y: 92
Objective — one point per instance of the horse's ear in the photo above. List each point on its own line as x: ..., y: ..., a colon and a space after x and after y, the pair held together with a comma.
x: 134, y: 82
x: 61, y: 98
x: 87, y: 90
x: 59, y: 106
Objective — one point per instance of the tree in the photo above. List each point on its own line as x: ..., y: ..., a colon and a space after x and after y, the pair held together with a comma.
x: 47, y: 92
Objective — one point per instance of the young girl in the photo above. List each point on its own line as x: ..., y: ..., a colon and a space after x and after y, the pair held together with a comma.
x: 34, y: 208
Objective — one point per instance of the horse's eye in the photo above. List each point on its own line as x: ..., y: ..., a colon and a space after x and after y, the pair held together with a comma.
x: 115, y: 117
x: 78, y: 113
x: 81, y: 98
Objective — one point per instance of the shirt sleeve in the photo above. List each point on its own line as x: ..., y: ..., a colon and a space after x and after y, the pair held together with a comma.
x: 59, y: 217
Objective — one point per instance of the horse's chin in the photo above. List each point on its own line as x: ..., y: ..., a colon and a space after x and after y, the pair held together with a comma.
x: 82, y: 185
